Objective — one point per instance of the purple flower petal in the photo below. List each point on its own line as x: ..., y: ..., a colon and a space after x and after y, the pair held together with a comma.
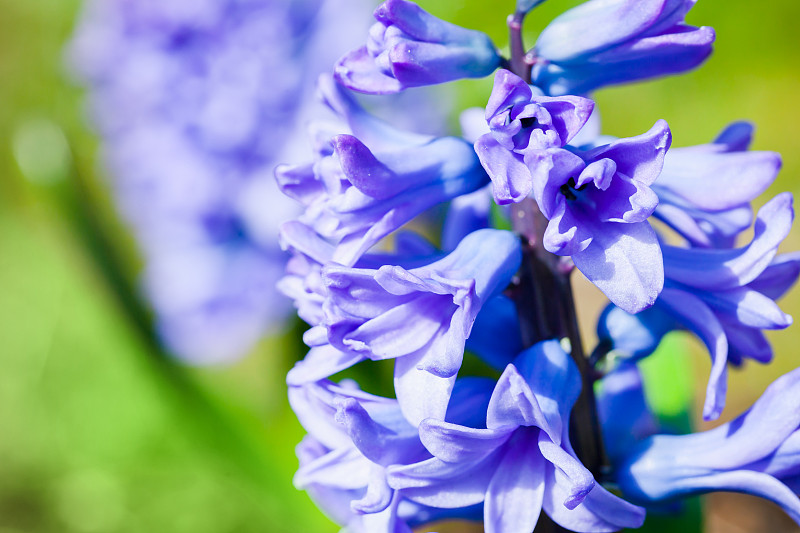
x: 448, y: 485
x: 566, y: 234
x: 421, y: 394
x: 701, y: 228
x: 515, y: 493
x: 725, y: 269
x: 716, y: 181
x: 408, y: 47
x: 746, y: 342
x: 511, y: 179
x: 378, y: 496
x: 624, y: 414
x: 467, y: 213
x: 681, y: 48
x: 554, y: 380
x: 778, y: 277
x: 424, y: 314
x: 624, y: 261
x: 357, y: 70
x: 453, y: 443
x: 634, y: 336
x: 380, y: 444
x: 385, y: 521
x: 498, y: 314
x: 736, y: 137
x: 373, y: 132
x: 343, y: 468
x: 596, y: 25
x: 507, y: 91
x: 513, y: 403
x: 580, y: 479
x: 749, y: 455
x: 640, y: 157
x: 600, y: 511
x: 321, y: 362
x: 549, y: 171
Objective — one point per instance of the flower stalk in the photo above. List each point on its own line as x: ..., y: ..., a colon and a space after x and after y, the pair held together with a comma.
x: 546, y: 305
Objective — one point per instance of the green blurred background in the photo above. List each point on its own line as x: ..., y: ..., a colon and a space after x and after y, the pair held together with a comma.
x: 100, y: 433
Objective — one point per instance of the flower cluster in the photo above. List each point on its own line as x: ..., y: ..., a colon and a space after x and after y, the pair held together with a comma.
x: 527, y: 437
x: 196, y: 101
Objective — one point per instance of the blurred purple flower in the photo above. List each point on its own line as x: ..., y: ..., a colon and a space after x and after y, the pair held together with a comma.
x: 622, y: 407
x: 186, y: 95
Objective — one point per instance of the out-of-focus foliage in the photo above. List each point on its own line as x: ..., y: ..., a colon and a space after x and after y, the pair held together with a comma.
x: 100, y: 433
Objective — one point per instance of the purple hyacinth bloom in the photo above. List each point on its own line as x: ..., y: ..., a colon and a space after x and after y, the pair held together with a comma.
x: 408, y: 47
x: 303, y: 283
x: 727, y: 297
x: 598, y: 202
x: 521, y: 122
x: 353, y: 438
x: 603, y: 42
x: 520, y: 461
x: 186, y: 96
x: 364, y: 186
x: 421, y: 317
x: 758, y: 453
x: 705, y: 191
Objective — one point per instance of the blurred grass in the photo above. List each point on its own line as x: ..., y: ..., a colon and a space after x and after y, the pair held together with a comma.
x: 100, y: 433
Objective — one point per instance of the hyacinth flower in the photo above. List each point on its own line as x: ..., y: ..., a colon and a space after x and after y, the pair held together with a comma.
x: 604, y: 42
x: 521, y: 462
x: 354, y: 197
x: 354, y: 437
x: 758, y: 453
x: 408, y: 47
x: 597, y: 202
x: 730, y: 299
x: 727, y: 302
x: 521, y: 122
x: 421, y: 317
x: 303, y: 283
x: 705, y: 191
